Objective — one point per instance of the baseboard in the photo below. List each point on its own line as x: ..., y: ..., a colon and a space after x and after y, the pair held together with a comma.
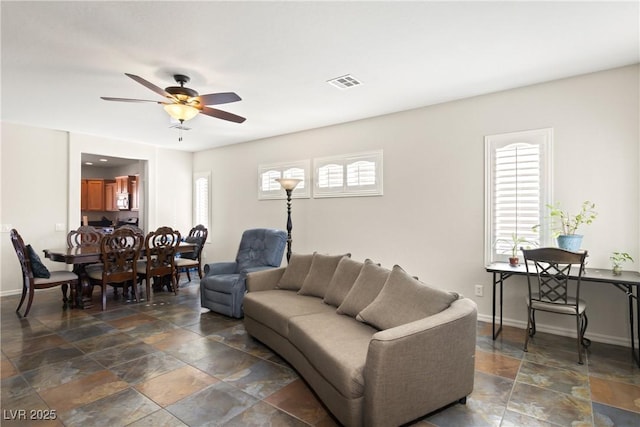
x: 606, y: 339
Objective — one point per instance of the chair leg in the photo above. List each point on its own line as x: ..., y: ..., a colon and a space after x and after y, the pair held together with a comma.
x: 24, y: 294
x: 579, y: 339
x: 200, y: 271
x: 103, y: 293
x: 30, y: 301
x: 528, y: 330
x: 188, y: 274
x: 174, y: 284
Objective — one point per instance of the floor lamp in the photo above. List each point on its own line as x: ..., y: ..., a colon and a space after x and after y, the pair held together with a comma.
x: 288, y: 184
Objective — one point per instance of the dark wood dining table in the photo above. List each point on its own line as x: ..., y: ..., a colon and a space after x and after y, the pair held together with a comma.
x: 82, y: 256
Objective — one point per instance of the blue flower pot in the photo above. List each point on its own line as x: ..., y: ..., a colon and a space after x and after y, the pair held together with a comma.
x: 570, y: 242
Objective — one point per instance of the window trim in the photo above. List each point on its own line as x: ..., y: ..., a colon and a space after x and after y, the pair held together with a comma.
x: 542, y: 137
x: 344, y: 160
x: 298, y: 193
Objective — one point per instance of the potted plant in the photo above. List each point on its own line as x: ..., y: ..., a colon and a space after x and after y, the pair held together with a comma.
x: 514, y: 243
x: 619, y: 258
x: 568, y: 224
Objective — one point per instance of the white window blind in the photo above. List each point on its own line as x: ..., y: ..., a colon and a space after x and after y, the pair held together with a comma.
x: 201, y: 205
x: 349, y: 175
x: 269, y: 188
x: 518, y: 189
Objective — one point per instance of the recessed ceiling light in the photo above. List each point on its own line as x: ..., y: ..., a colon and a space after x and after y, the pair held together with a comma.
x: 345, y: 82
x: 88, y: 163
x: 104, y: 160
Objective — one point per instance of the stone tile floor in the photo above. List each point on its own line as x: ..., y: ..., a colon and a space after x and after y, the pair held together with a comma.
x: 162, y: 363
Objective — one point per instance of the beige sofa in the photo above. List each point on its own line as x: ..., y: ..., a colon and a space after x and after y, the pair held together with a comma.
x: 377, y: 346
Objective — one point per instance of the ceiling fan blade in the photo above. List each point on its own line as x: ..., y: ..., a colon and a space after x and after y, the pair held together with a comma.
x: 224, y: 115
x: 149, y: 85
x: 219, y: 98
x: 107, y: 98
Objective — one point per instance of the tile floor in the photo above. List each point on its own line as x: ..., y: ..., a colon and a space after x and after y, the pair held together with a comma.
x: 165, y: 364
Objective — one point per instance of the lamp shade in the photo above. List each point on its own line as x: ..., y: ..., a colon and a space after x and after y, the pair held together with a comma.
x: 288, y: 183
x: 181, y: 112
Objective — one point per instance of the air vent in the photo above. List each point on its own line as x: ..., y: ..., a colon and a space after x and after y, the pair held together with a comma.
x: 345, y: 82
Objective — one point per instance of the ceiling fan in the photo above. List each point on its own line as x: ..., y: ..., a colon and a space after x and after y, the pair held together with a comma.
x: 184, y: 103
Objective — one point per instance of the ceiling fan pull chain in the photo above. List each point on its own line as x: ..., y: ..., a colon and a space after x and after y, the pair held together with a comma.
x: 180, y: 134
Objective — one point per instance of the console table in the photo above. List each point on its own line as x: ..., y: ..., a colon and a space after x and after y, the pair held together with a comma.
x: 628, y: 282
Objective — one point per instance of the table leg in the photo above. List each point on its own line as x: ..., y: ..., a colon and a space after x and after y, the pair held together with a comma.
x: 635, y: 354
x: 495, y: 332
x: 84, y: 290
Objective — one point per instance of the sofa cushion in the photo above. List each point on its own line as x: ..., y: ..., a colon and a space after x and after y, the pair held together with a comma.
x: 296, y: 272
x: 336, y: 346
x: 342, y: 281
x: 404, y: 299
x: 277, y: 306
x: 320, y: 274
x: 365, y: 289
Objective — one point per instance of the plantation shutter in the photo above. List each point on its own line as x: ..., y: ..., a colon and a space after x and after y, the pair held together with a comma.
x: 517, y: 195
x: 201, y: 200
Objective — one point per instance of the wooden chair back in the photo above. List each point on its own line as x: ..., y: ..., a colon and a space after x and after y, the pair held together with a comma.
x: 83, y: 236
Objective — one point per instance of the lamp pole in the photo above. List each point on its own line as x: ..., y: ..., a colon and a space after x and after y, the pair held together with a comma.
x: 288, y: 184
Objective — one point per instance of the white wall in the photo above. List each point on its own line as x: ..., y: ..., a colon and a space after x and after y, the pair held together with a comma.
x: 430, y: 219
x: 41, y: 172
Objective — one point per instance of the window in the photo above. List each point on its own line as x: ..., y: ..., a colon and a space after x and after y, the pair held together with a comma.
x: 201, y: 205
x: 517, y: 190
x: 349, y: 175
x: 269, y: 188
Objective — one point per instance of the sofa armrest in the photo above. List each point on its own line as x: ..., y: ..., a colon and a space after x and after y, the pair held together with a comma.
x: 421, y: 366
x: 215, y: 268
x: 264, y: 280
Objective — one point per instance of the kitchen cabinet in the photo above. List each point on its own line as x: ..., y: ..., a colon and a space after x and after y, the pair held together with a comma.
x: 110, y: 195
x: 94, y: 195
x: 123, y: 183
x: 83, y: 195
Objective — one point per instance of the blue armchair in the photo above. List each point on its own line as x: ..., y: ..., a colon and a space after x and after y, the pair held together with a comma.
x: 223, y: 287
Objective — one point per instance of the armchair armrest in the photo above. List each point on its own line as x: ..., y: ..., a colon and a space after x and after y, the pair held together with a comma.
x: 265, y: 279
x: 215, y: 268
x: 418, y: 367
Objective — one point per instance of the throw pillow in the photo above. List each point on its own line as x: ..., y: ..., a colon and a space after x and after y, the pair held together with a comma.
x: 365, y: 289
x: 320, y: 274
x: 342, y: 281
x: 404, y: 299
x: 37, y: 267
x: 296, y: 272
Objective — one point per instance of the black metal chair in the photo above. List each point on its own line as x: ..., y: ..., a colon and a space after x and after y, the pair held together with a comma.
x: 549, y: 289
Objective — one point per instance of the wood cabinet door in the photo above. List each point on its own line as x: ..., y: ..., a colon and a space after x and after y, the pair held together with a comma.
x: 83, y: 195
x: 95, y: 195
x: 110, y: 196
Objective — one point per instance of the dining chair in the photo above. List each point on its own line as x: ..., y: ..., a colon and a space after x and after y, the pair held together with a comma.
x: 120, y: 252
x: 160, y: 250
x: 30, y: 283
x: 85, y: 235
x: 186, y: 261
x: 548, y: 271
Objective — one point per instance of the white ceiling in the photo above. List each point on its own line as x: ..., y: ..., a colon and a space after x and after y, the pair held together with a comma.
x: 58, y: 58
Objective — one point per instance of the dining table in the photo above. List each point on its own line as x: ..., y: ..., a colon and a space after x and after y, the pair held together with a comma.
x: 82, y: 256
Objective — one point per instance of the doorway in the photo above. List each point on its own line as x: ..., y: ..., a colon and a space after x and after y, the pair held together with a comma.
x: 106, y: 183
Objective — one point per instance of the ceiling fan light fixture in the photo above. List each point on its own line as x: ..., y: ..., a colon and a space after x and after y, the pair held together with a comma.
x: 181, y: 112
